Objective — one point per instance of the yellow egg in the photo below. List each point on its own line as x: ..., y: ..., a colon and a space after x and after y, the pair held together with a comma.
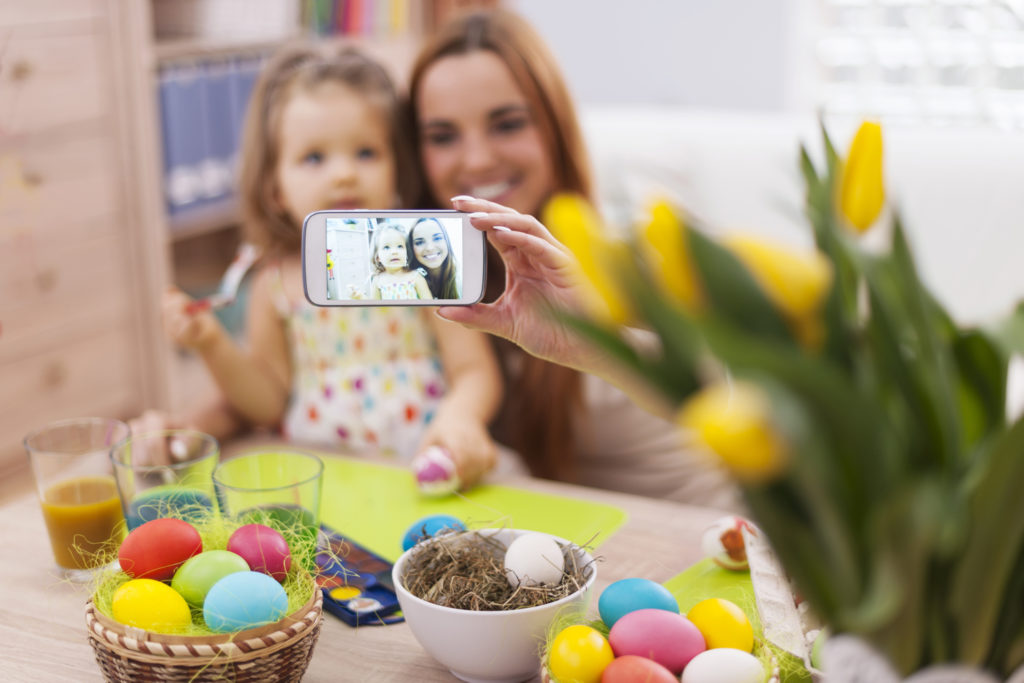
x: 151, y: 605
x: 579, y: 653
x: 723, y: 624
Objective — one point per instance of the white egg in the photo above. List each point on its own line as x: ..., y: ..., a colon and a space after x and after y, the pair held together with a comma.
x: 724, y: 665
x: 534, y: 559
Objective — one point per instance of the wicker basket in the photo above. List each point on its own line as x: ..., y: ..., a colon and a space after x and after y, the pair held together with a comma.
x: 278, y: 652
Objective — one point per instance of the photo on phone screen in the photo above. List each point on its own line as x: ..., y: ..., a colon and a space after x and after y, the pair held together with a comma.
x: 391, y: 258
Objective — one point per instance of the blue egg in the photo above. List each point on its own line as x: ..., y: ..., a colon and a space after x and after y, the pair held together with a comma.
x: 244, y: 600
x: 427, y: 527
x: 628, y: 595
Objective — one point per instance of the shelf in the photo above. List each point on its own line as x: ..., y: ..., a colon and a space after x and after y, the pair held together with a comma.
x: 187, y: 49
x: 212, y: 217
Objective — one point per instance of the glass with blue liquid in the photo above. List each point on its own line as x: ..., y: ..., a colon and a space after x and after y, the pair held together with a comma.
x: 165, y: 473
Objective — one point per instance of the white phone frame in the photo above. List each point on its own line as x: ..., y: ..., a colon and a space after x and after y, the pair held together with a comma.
x: 473, y: 263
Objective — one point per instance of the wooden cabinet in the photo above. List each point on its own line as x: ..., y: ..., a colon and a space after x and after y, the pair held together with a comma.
x: 73, y: 340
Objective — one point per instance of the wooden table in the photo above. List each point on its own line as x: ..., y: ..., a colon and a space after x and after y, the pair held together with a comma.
x: 42, y: 625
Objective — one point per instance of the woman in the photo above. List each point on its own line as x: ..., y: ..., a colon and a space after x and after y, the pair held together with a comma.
x: 431, y: 251
x: 494, y: 120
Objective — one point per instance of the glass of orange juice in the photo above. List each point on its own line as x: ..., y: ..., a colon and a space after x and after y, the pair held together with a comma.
x: 71, y: 466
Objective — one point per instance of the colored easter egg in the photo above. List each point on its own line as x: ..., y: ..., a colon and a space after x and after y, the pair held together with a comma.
x: 628, y: 595
x: 579, y: 653
x: 150, y: 605
x: 244, y: 600
x: 264, y: 549
x: 429, y: 526
x: 196, y: 577
x: 723, y: 624
x: 156, y: 549
x: 666, y: 637
x: 435, y: 472
x: 533, y: 559
x: 724, y: 665
x: 633, y: 669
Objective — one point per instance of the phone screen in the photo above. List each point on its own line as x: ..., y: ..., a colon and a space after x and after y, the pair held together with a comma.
x: 394, y: 258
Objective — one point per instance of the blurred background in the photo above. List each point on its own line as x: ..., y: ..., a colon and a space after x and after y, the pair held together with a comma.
x: 119, y: 122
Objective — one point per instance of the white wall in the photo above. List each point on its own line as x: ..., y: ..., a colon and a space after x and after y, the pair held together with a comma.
x: 745, y: 54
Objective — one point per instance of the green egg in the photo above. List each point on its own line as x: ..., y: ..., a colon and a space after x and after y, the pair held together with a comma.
x: 195, y: 578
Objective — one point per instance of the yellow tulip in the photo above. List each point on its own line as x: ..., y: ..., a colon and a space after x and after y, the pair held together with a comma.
x: 861, y: 190
x: 575, y: 224
x: 796, y: 282
x: 734, y: 421
x: 665, y: 249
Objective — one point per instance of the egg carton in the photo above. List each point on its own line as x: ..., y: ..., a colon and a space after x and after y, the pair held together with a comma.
x: 786, y: 621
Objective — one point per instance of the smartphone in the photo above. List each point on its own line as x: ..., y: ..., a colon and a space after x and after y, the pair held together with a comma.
x: 392, y: 258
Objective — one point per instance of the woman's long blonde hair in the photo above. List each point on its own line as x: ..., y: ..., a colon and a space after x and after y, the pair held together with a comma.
x: 543, y: 398
x: 303, y: 68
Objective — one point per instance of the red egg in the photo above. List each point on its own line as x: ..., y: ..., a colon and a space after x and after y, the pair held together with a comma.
x: 156, y: 549
x: 633, y: 669
x: 263, y: 548
x: 668, y: 638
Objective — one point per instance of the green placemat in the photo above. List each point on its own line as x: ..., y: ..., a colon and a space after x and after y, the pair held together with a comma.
x: 375, y: 504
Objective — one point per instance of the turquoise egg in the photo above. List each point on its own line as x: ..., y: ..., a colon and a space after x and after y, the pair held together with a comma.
x: 429, y: 526
x: 196, y: 577
x: 628, y: 595
x: 244, y: 600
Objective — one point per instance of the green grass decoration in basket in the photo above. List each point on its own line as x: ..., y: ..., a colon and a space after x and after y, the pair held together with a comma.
x: 208, y: 599
x: 866, y: 428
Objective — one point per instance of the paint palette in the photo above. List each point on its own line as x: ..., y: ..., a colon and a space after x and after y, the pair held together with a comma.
x: 356, y: 583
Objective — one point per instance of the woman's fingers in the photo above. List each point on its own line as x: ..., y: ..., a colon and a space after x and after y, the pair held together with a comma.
x: 483, y: 317
x: 470, y: 204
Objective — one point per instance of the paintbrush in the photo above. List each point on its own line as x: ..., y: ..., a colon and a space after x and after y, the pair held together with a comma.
x: 245, y: 258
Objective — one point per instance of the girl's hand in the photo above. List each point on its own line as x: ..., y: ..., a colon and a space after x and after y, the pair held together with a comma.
x: 538, y: 278
x: 355, y: 293
x: 467, y: 441
x: 187, y: 327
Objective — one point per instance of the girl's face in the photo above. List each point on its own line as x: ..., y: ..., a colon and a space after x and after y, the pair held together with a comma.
x: 478, y: 134
x: 391, y: 252
x: 429, y: 245
x: 334, y: 153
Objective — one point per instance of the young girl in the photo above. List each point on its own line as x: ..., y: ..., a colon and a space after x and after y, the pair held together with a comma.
x: 431, y: 251
x: 323, y: 132
x: 392, y: 278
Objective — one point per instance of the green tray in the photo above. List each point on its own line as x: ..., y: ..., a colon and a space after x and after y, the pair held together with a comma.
x: 375, y: 504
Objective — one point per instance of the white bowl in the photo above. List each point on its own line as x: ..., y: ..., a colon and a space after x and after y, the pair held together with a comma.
x: 488, y: 647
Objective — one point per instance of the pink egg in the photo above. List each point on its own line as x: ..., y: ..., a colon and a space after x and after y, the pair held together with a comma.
x: 631, y: 668
x: 668, y: 638
x: 264, y: 549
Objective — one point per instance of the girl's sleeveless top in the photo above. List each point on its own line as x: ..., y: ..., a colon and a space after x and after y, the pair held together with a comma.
x: 394, y: 291
x: 364, y: 379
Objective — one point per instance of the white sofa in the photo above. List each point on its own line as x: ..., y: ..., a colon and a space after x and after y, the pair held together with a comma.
x: 961, y: 191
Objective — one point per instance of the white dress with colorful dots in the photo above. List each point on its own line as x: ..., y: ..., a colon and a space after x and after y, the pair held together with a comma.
x: 365, y: 379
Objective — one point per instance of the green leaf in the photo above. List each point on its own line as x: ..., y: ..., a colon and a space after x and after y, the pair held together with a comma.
x: 982, y: 376
x: 993, y: 545
x: 1009, y: 332
x: 732, y: 292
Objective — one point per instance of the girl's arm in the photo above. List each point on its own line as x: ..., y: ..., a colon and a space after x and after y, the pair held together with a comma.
x: 474, y: 394
x: 422, y: 288
x: 256, y: 383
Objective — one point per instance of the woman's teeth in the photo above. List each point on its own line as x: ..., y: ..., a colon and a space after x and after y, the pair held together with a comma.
x: 490, y: 191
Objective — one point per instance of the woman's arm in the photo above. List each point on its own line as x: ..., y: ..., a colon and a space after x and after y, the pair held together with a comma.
x: 471, y: 401
x: 539, y: 278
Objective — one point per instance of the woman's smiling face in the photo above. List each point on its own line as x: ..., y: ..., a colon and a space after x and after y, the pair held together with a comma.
x: 479, y: 135
x: 429, y: 244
